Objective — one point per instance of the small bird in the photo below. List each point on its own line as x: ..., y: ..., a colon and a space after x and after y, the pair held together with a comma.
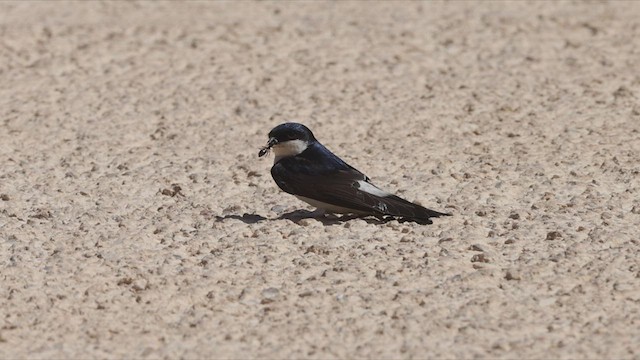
x: 306, y: 169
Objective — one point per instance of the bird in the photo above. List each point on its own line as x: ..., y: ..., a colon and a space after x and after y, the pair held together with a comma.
x: 305, y: 168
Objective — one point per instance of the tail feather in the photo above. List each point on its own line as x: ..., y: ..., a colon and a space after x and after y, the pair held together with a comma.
x: 397, y: 206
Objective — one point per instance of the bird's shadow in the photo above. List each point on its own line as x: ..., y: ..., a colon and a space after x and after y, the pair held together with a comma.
x: 245, y: 218
x: 297, y: 216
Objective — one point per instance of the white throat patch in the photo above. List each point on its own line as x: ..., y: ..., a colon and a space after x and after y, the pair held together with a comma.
x: 288, y: 148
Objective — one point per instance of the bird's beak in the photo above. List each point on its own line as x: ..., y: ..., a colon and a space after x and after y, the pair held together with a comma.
x: 265, y: 150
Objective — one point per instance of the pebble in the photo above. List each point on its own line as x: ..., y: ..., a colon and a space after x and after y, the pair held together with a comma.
x: 476, y: 247
x: 512, y: 275
x: 270, y: 295
x: 479, y: 258
x: 553, y: 235
x: 307, y: 222
x: 140, y: 284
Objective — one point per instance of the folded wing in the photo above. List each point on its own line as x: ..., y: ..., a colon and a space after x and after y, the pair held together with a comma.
x: 345, y: 187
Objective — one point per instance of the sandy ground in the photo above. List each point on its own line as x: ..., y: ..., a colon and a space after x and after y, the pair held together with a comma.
x: 136, y: 220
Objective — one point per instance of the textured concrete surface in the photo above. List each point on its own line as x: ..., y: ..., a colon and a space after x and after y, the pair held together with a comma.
x: 136, y: 220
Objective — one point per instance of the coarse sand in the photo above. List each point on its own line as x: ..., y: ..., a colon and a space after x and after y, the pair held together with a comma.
x: 136, y: 220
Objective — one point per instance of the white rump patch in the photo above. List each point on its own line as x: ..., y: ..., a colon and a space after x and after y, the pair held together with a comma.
x: 370, y: 189
x: 288, y: 148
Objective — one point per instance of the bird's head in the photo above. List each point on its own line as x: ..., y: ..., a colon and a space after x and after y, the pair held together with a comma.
x: 288, y: 139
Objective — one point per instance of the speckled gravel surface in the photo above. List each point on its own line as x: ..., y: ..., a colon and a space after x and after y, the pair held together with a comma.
x: 136, y: 220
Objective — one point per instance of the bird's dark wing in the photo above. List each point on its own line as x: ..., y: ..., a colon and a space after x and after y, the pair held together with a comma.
x: 344, y: 187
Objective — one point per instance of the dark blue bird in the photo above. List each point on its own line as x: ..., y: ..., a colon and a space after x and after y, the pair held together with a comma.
x: 305, y: 168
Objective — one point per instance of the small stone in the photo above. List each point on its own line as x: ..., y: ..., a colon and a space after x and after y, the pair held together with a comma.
x: 476, y: 247
x: 167, y: 192
x: 512, y: 275
x: 479, y: 258
x: 394, y: 225
x: 553, y: 235
x: 175, y: 190
x: 125, y: 281
x: 406, y: 239
x: 622, y: 92
x: 139, y: 285
x: 514, y: 216
x: 270, y: 295
x: 306, y: 222
x: 41, y: 214
x: 4, y: 197
x: 320, y: 250
x: 445, y: 240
